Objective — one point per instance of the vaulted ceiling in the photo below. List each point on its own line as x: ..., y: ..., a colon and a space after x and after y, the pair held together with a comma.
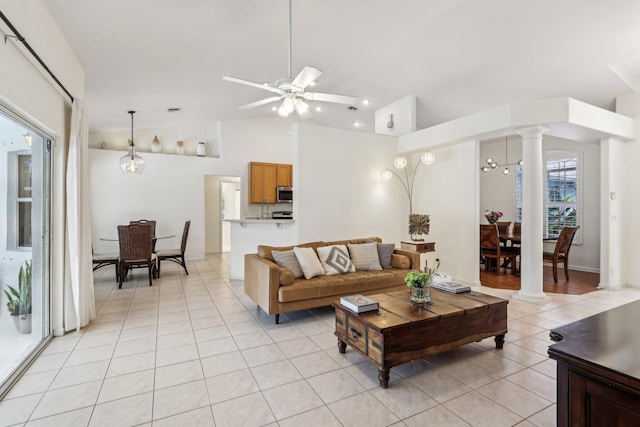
x: 457, y: 56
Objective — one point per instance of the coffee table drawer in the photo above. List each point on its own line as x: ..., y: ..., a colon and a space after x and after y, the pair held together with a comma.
x: 355, y: 333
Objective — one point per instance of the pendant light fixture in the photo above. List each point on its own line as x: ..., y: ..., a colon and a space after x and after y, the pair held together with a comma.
x: 131, y: 163
x: 492, y: 164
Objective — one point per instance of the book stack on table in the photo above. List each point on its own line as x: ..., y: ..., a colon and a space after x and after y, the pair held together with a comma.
x: 359, y: 303
x: 454, y: 288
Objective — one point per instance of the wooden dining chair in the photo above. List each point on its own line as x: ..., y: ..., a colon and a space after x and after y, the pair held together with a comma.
x: 517, y: 231
x: 490, y: 248
x: 136, y: 244
x: 503, y: 227
x: 176, y: 255
x: 561, y: 251
x: 146, y: 221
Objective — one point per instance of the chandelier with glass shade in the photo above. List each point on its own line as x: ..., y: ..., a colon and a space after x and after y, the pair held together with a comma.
x: 131, y: 163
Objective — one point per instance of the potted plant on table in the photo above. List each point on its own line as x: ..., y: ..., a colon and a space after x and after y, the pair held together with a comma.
x: 418, y: 284
x: 19, y: 300
x: 492, y: 216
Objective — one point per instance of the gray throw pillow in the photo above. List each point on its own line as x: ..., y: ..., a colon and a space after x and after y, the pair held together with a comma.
x: 288, y: 260
x: 385, y: 250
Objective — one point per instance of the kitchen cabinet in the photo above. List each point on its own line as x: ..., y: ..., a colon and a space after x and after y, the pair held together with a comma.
x: 284, y: 175
x: 598, y: 381
x: 265, y: 177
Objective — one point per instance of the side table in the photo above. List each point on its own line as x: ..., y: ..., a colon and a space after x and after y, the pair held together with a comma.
x: 421, y: 247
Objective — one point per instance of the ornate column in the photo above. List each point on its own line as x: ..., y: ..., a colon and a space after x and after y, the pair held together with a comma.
x: 532, y: 216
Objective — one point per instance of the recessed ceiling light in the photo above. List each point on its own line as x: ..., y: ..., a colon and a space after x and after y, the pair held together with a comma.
x: 356, y: 124
x: 274, y: 108
x: 365, y: 102
x: 318, y: 108
x: 312, y: 84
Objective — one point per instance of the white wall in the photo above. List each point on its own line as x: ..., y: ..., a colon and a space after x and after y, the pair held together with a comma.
x: 446, y: 190
x: 339, y: 194
x: 497, y: 192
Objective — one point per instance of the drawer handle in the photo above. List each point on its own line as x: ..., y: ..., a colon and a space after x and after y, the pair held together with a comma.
x: 355, y: 334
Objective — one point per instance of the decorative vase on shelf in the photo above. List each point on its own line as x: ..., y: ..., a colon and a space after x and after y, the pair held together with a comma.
x: 155, y: 145
x: 179, y: 147
x: 201, y: 149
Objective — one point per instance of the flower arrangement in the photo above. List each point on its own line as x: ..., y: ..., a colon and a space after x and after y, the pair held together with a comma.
x: 417, y: 279
x: 492, y: 216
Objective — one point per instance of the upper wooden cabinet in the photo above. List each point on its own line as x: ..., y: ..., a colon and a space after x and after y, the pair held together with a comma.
x: 265, y: 177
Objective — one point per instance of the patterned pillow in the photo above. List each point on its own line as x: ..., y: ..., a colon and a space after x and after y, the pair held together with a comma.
x: 309, y: 262
x: 365, y: 256
x: 335, y: 259
x: 288, y: 260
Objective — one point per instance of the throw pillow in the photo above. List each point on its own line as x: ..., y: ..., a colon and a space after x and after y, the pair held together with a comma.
x: 400, y: 261
x: 309, y: 262
x: 385, y: 250
x: 286, y: 277
x: 335, y: 259
x: 288, y: 260
x: 365, y: 256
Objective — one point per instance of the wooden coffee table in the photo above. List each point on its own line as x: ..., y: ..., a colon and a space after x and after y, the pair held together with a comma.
x: 398, y: 332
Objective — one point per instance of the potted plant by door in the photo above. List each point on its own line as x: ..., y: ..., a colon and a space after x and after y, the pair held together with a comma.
x: 19, y: 300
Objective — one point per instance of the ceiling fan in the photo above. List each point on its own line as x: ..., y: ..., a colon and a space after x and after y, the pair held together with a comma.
x: 293, y: 91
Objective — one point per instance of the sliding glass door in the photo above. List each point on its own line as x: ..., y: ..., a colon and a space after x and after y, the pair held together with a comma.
x: 25, y: 177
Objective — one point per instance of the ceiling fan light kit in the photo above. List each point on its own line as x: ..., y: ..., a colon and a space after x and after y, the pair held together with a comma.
x: 290, y: 91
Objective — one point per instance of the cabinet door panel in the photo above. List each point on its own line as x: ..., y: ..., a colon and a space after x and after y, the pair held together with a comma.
x: 284, y: 175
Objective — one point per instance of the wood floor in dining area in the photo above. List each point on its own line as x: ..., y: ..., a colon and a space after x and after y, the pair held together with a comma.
x: 580, y: 282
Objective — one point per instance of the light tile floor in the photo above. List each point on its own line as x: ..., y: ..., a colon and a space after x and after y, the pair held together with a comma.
x: 195, y: 351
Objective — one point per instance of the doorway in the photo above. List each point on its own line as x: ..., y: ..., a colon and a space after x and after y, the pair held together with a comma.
x: 222, y: 201
x: 24, y: 243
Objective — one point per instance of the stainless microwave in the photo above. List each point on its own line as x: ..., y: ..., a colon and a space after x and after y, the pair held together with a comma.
x: 284, y: 194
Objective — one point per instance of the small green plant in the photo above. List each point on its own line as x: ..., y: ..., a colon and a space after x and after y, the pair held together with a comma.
x: 416, y: 279
x: 19, y: 300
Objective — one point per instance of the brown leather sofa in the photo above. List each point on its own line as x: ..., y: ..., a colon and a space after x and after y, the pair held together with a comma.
x: 263, y: 277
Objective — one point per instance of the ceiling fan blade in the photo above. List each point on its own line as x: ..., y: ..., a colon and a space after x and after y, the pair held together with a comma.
x: 252, y: 84
x: 306, y: 76
x: 259, y: 103
x: 329, y: 97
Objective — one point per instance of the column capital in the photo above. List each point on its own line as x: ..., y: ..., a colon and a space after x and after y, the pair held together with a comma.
x: 532, y: 131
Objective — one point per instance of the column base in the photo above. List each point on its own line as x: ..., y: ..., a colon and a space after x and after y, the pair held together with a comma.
x: 533, y: 298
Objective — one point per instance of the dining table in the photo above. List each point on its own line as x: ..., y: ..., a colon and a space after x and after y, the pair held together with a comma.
x: 154, y: 239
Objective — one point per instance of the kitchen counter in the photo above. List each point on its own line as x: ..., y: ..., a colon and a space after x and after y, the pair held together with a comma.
x: 243, y: 222
x: 248, y: 233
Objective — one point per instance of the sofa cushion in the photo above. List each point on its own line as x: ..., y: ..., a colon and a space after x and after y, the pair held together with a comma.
x: 286, y: 277
x: 264, y: 251
x: 309, y: 262
x: 335, y: 259
x: 365, y: 256
x: 385, y: 251
x: 288, y: 260
x: 400, y: 261
x: 342, y: 284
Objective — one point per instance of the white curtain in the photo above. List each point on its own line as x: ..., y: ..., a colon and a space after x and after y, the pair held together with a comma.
x: 79, y: 307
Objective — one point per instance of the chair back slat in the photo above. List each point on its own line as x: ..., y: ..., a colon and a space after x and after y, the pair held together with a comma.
x: 136, y: 241
x: 489, y: 238
x: 564, y: 240
x: 185, y: 236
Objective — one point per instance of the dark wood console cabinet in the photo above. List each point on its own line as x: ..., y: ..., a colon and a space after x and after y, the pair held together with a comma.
x: 599, y: 369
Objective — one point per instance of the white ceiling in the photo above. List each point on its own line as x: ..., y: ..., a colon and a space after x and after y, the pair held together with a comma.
x: 457, y: 57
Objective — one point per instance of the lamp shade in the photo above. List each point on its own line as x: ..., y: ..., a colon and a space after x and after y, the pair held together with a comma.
x: 428, y: 157
x: 131, y: 163
x: 400, y: 162
x: 386, y: 175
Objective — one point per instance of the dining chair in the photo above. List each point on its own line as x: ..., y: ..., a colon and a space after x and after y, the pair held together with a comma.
x: 146, y: 221
x: 136, y: 244
x: 503, y: 227
x: 561, y: 252
x: 176, y: 255
x: 517, y: 231
x: 490, y: 248
x: 104, y: 260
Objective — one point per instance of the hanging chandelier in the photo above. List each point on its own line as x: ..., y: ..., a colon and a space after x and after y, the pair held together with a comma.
x: 131, y: 163
x: 492, y: 164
